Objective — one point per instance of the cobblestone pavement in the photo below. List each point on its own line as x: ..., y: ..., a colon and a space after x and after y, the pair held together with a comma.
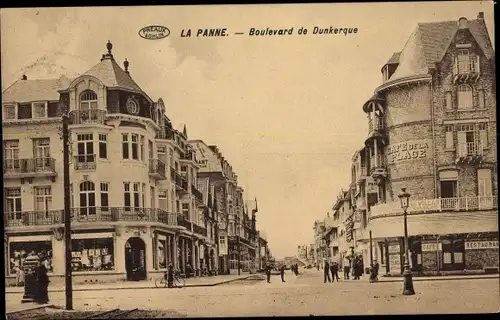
x: 302, y: 295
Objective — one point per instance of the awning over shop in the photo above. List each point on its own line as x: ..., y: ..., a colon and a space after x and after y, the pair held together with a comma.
x: 435, y: 223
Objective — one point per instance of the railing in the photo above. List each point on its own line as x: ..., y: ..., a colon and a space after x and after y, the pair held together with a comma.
x: 381, y: 162
x: 183, y: 222
x: 92, y: 116
x: 165, y: 134
x: 378, y: 125
x: 470, y: 149
x: 436, y: 205
x: 32, y: 165
x: 89, y: 214
x: 470, y: 65
x: 188, y: 155
x: 199, y: 230
x: 85, y: 162
x: 157, y: 167
x: 179, y: 180
x: 197, y: 193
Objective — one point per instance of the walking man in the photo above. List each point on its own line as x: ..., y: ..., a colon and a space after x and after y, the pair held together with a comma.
x: 335, y: 271
x: 282, y: 273
x: 268, y: 272
x: 326, y: 271
x: 347, y: 268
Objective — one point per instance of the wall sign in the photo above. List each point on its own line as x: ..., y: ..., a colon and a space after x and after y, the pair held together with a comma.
x: 394, y: 248
x: 426, y: 247
x: 409, y: 150
x: 476, y: 245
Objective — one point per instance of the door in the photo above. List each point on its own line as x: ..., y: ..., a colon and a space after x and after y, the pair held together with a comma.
x: 43, y: 202
x: 135, y: 259
x: 41, y: 153
x: 11, y: 148
x: 87, y: 198
x: 453, y: 255
x: 449, y: 193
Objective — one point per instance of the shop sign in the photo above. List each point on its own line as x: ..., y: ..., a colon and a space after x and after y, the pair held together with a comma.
x: 394, y: 248
x: 426, y: 247
x: 475, y: 245
x: 409, y: 150
x: 395, y: 263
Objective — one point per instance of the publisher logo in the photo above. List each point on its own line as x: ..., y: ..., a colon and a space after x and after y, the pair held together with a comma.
x: 154, y: 32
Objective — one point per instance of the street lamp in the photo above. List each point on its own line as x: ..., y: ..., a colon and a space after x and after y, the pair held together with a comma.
x: 408, y: 290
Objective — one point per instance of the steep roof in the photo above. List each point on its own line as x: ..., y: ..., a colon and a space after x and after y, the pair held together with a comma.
x: 394, y: 58
x: 429, y: 42
x: 34, y: 90
x: 112, y: 75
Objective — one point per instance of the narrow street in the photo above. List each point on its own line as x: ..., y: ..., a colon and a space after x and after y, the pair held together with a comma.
x: 302, y: 295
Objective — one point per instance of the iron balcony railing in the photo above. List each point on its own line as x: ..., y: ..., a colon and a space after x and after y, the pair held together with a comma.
x: 380, y: 162
x: 436, y: 205
x: 179, y: 180
x: 165, y: 134
x: 85, y: 162
x: 157, y: 168
x: 31, y: 165
x: 184, y: 222
x: 466, y: 66
x: 89, y: 214
x: 376, y: 123
x: 197, y: 193
x: 200, y: 230
x: 470, y: 149
x: 92, y: 116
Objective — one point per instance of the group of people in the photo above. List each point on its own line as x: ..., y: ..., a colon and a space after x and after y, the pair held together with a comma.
x: 352, y: 266
x: 333, y: 268
x: 294, y: 268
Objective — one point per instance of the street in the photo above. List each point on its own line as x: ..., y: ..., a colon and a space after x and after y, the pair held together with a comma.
x: 302, y: 295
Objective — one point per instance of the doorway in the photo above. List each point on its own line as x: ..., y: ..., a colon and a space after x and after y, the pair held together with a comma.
x: 135, y: 259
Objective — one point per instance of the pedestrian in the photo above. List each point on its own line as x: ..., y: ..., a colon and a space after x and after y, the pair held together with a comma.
x: 347, y: 268
x: 376, y: 267
x: 268, y: 272
x: 326, y: 271
x: 355, y: 267
x: 335, y: 271
x: 42, y: 281
x: 170, y: 276
x: 296, y: 269
x: 282, y: 273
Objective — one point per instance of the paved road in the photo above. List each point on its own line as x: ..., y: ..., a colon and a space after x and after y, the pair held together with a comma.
x: 303, y: 295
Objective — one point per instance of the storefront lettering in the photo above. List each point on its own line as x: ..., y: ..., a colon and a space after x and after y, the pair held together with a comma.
x: 409, y: 150
x: 426, y: 247
x: 394, y: 248
x: 475, y: 245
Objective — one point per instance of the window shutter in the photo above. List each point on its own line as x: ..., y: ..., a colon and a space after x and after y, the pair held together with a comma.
x: 449, y: 139
x: 481, y: 99
x: 483, y: 138
x: 462, y: 145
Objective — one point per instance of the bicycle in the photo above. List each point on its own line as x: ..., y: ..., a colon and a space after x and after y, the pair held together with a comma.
x: 178, y: 282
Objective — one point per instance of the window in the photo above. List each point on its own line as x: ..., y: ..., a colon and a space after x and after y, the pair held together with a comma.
x: 71, y: 199
x: 480, y: 96
x: 163, y: 199
x: 104, y: 196
x: 20, y: 250
x: 85, y: 147
x: 87, y: 198
x: 171, y: 155
x: 11, y: 148
x: 136, y: 194
x: 92, y: 254
x: 449, y: 188
x: 24, y: 111
x: 39, y: 110
x: 484, y: 182
x: 135, y: 147
x: 41, y: 152
x: 103, y: 146
x: 88, y: 100
x: 483, y: 135
x: 449, y: 136
x: 43, y: 200
x: 466, y: 136
x: 143, y: 195
x: 463, y: 61
x: 151, y: 149
x: 125, y: 151
x: 185, y: 210
x: 381, y: 246
x: 152, y: 198
x: 126, y: 193
x: 13, y: 203
x: 142, y: 149
x: 448, y: 101
x: 9, y: 111
x: 465, y: 100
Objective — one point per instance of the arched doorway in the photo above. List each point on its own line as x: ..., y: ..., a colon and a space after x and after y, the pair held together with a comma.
x: 135, y: 259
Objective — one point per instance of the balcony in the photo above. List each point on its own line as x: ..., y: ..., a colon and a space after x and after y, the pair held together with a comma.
x: 378, y: 169
x: 197, y: 194
x: 29, y: 168
x: 90, y: 214
x: 92, y: 116
x: 85, y: 162
x: 375, y: 124
x: 199, y: 230
x: 165, y: 134
x: 181, y: 184
x: 435, y: 205
x: 361, y: 174
x: 157, y: 169
x: 183, y: 222
x: 466, y: 71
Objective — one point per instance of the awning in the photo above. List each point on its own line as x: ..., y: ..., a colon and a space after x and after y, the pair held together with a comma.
x: 435, y: 223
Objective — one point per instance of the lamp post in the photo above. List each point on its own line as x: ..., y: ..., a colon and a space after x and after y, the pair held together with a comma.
x: 408, y: 290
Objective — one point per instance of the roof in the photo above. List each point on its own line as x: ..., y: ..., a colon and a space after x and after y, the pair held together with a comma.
x: 429, y: 42
x: 34, y: 90
x: 394, y: 58
x: 112, y: 75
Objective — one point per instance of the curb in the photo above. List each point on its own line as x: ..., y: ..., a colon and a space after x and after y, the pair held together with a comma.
x: 440, y: 279
x: 43, y: 306
x: 136, y: 288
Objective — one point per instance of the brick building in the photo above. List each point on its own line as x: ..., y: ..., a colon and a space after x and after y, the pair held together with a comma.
x: 431, y: 130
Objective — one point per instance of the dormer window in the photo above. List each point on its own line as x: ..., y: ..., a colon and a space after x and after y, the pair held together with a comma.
x: 465, y: 62
x: 9, y: 112
x: 39, y: 110
x: 88, y: 100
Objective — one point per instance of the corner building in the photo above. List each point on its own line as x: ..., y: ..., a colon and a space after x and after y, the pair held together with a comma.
x: 134, y: 198
x: 432, y: 126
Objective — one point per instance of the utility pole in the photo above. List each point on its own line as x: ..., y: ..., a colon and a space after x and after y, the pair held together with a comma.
x: 239, y: 253
x: 67, y: 214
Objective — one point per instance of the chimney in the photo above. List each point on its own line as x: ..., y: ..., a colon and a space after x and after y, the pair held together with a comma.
x: 480, y: 16
x: 24, y: 77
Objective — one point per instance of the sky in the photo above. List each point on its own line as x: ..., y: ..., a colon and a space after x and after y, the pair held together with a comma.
x: 286, y: 111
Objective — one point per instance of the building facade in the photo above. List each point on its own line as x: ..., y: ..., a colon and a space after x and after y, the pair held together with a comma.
x: 431, y: 130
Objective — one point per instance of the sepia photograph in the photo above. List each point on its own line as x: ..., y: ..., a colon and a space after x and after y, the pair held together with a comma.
x: 252, y: 160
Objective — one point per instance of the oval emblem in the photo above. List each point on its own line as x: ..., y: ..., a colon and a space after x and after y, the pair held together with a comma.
x: 154, y: 32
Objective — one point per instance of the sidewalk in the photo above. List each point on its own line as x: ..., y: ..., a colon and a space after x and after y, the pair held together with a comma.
x: 436, y: 278
x: 145, y: 284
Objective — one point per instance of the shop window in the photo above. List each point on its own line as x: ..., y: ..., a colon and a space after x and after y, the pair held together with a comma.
x: 92, y: 254
x: 416, y: 255
x: 20, y: 250
x: 162, y: 257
